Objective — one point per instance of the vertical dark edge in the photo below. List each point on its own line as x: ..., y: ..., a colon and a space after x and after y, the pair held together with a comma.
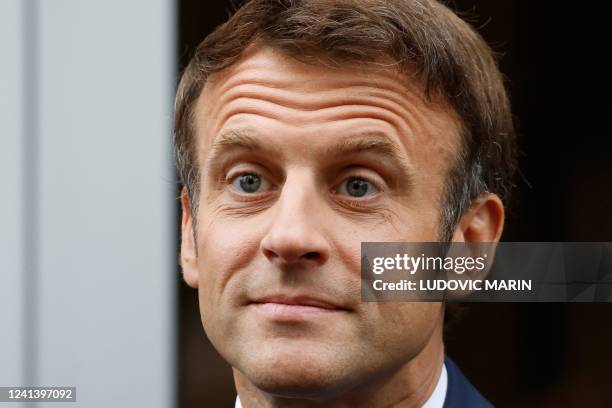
x: 180, y: 335
x: 175, y: 216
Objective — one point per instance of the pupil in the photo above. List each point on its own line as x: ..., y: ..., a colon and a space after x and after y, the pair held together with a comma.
x: 250, y: 183
x: 357, y: 188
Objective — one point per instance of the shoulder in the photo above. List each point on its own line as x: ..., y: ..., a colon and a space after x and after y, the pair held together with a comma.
x: 460, y: 391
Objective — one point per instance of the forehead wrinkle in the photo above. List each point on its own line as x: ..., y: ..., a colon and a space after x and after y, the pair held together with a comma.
x: 406, y: 103
x: 326, y: 118
x: 318, y: 87
x: 270, y: 67
x: 301, y: 77
x: 324, y: 81
x: 314, y: 101
x: 373, y: 105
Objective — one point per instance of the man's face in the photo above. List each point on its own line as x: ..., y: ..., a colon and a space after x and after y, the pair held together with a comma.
x: 299, y: 165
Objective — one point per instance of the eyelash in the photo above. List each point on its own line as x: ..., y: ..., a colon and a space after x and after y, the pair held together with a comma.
x: 375, y: 184
x: 354, y: 202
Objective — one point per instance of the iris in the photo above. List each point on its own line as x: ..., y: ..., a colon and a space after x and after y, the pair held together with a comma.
x: 357, y: 187
x: 249, y: 183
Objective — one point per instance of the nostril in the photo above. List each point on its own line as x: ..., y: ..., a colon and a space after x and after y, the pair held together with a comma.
x: 269, y: 254
x: 312, y: 255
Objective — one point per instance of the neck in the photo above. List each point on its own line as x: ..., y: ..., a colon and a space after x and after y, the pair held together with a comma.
x: 408, y: 386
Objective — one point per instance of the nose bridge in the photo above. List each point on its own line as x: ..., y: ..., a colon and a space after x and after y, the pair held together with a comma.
x: 299, y: 195
x: 296, y: 231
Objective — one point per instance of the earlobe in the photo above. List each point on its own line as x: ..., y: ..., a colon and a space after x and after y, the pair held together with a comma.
x: 483, y: 222
x: 188, y: 256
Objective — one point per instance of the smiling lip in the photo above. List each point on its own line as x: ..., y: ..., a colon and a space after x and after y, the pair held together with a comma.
x: 294, y: 308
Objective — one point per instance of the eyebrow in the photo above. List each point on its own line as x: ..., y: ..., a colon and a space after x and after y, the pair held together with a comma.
x: 376, y: 143
x: 234, y: 139
x: 372, y: 143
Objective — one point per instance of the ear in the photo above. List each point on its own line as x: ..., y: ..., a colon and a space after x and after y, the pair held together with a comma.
x: 188, y: 245
x: 483, y: 222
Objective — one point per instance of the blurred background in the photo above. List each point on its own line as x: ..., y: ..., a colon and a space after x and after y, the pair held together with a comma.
x: 90, y: 290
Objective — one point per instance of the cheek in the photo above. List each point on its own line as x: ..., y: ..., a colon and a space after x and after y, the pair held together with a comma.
x: 400, y: 329
x: 415, y: 222
x: 224, y: 247
x: 420, y: 221
x: 402, y: 224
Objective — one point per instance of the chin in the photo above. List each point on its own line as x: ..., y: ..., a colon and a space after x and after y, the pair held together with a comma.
x: 297, y: 373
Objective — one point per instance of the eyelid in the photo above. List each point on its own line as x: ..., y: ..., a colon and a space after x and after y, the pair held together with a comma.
x: 371, y: 182
x: 352, y: 173
x: 233, y: 175
x: 246, y: 160
x: 239, y: 169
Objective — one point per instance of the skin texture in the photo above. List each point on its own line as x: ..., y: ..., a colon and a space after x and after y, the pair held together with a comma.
x: 306, y: 131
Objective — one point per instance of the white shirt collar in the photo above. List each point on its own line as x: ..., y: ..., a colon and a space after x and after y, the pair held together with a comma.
x: 435, y: 400
x: 437, y: 397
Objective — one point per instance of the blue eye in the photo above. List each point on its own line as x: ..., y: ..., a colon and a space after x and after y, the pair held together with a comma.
x: 251, y: 183
x: 247, y: 183
x: 357, y: 187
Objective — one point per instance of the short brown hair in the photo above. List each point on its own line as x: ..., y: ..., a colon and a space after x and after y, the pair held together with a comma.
x: 450, y: 58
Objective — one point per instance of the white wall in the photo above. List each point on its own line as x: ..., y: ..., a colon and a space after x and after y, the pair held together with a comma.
x: 11, y: 194
x: 100, y: 253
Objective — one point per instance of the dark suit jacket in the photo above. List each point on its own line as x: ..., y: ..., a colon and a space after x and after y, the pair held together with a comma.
x: 460, y: 393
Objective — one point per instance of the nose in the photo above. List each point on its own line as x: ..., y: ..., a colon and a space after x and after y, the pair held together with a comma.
x: 296, y: 233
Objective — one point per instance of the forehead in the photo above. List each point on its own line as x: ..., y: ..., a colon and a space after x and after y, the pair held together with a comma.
x: 301, y: 105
